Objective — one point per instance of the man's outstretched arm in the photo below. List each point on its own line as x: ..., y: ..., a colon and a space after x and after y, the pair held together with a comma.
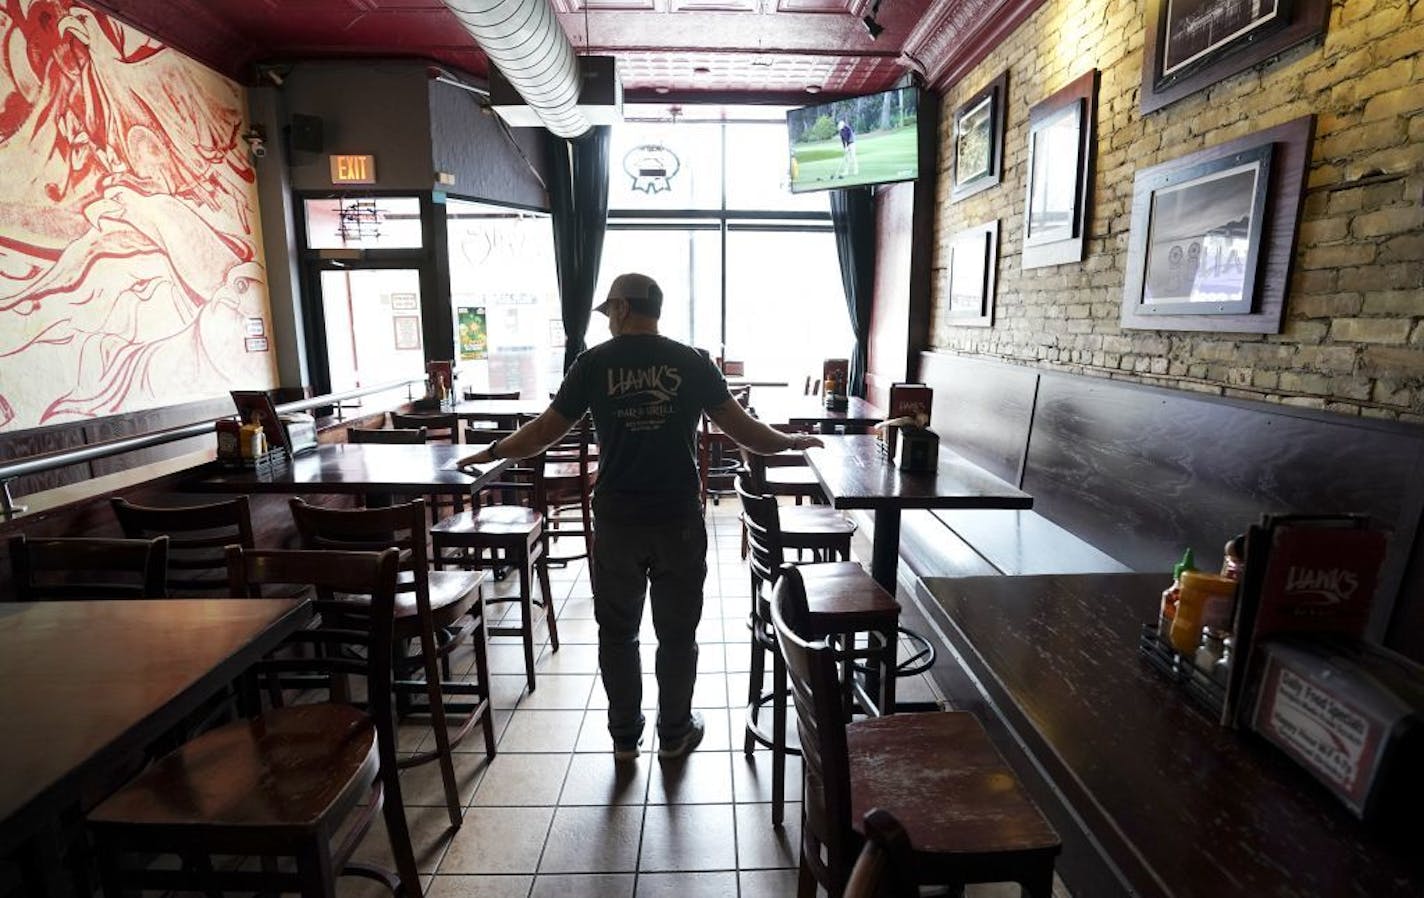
x: 751, y: 434
x: 531, y: 439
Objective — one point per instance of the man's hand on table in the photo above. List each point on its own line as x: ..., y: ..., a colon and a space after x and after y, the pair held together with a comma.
x: 482, y: 457
x: 803, y: 441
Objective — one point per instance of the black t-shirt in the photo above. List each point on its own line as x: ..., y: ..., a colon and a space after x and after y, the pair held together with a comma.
x: 647, y: 394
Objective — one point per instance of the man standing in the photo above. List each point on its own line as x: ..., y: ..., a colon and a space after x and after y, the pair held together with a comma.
x: 850, y: 165
x: 647, y: 394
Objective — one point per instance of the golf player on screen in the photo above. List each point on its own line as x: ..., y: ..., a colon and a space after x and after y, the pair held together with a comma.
x: 849, y: 164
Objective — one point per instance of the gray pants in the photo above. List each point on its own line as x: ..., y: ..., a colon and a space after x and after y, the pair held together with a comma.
x: 667, y: 560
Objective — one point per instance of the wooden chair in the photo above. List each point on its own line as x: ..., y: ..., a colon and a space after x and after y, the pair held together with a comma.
x: 847, y: 602
x: 286, y: 782
x: 197, y: 538
x: 472, y: 396
x: 439, y: 428
x: 513, y: 535
x: 481, y: 423
x: 436, y: 609
x: 783, y: 474
x: 386, y: 436
x: 884, y: 867
x: 967, y: 817
x: 570, y: 468
x: 88, y: 568
x: 812, y: 386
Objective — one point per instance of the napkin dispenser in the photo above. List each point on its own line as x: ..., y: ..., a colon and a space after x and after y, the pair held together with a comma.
x: 1352, y: 715
x: 916, y: 449
x: 301, y: 431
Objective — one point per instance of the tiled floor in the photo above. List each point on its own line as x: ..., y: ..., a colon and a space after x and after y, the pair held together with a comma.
x: 553, y: 814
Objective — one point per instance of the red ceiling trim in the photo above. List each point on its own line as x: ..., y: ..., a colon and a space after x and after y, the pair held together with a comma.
x: 956, y: 35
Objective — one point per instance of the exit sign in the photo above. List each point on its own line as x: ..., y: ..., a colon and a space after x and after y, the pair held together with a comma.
x: 353, y: 169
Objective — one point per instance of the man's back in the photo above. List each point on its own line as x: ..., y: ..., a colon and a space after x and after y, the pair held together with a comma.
x: 646, y: 393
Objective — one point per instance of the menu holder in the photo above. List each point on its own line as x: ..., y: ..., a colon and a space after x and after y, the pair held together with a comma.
x: 1304, y: 575
x: 258, y: 404
x: 910, y: 405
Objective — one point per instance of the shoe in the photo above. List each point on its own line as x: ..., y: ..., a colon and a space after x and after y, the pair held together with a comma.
x: 676, y: 748
x: 626, y: 751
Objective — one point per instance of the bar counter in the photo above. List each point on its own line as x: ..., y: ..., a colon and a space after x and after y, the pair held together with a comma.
x: 1174, y: 804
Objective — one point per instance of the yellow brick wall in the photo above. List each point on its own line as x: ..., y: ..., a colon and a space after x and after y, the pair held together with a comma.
x: 1353, y: 336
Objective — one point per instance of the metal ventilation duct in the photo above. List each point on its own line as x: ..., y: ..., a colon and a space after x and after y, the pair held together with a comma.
x: 524, y: 39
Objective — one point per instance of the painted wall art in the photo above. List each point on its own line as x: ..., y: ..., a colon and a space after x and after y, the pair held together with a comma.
x: 130, y: 258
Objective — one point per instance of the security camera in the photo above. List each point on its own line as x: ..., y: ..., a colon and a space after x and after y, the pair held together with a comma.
x: 256, y: 142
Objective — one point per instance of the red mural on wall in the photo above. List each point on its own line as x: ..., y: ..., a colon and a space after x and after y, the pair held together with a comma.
x: 128, y: 258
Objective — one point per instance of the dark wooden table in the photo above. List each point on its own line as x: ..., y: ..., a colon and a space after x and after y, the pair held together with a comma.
x: 855, y: 475
x: 785, y: 407
x: 87, y: 684
x: 1173, y: 804
x: 358, y: 469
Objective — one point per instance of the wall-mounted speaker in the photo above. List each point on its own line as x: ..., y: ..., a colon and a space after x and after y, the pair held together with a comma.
x: 306, y: 131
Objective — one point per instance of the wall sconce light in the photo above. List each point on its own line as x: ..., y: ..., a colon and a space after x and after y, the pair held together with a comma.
x: 256, y: 141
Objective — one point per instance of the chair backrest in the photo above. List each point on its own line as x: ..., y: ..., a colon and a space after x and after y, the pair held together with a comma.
x: 197, y: 536
x: 765, y: 554
x: 812, y: 386
x: 88, y: 568
x: 400, y: 527
x: 815, y: 689
x: 522, y: 481
x: 755, y: 467
x: 884, y: 867
x: 476, y: 397
x: 572, y: 457
x: 398, y: 437
x: 439, y: 428
x: 367, y: 626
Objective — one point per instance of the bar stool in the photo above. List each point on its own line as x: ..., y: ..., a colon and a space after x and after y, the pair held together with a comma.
x: 845, y: 602
x: 437, y: 609
x: 513, y: 535
x: 967, y: 817
x: 570, y: 468
x: 439, y: 428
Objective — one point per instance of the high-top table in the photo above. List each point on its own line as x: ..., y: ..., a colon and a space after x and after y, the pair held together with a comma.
x: 855, y: 475
x: 783, y: 407
x: 359, y: 469
x: 88, y: 684
x: 1160, y: 800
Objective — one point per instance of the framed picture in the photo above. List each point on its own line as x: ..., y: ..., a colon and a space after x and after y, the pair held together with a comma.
x: 405, y: 302
x: 1213, y: 234
x: 1192, y: 44
x: 1061, y: 138
x: 973, y: 257
x: 407, y: 330
x: 979, y: 140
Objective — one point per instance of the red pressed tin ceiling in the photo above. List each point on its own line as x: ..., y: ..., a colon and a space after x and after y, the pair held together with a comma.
x: 686, y: 46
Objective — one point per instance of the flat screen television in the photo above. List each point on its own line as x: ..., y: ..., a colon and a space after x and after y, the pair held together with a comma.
x: 860, y: 140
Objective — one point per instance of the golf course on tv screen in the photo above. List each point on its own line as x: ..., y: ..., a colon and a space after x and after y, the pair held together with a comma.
x: 861, y: 140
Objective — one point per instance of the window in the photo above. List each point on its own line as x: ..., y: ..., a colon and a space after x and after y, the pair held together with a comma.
x: 353, y: 222
x: 372, y: 319
x: 699, y: 200
x: 504, y: 294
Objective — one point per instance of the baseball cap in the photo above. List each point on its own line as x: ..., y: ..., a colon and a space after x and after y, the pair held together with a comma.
x: 642, y: 293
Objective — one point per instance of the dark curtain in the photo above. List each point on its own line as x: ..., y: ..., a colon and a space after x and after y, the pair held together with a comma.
x: 853, y: 214
x: 578, y: 197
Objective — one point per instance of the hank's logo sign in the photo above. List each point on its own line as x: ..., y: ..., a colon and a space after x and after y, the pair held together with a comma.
x: 652, y: 167
x: 1321, y: 586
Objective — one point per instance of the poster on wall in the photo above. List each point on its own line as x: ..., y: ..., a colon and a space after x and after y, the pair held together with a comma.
x: 474, y: 339
x: 130, y: 264
x: 407, y: 331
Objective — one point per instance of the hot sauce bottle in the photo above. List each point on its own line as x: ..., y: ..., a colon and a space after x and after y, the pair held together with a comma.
x: 1171, y: 594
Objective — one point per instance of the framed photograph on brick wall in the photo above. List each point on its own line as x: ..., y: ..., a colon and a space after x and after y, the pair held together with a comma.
x: 979, y: 140
x: 1192, y: 44
x: 973, y: 258
x: 1059, y: 183
x: 1213, y: 234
